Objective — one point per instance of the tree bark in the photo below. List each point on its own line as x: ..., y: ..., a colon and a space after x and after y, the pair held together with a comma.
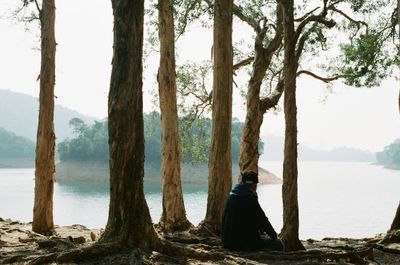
x: 220, y: 164
x: 129, y: 221
x: 254, y: 117
x: 255, y: 109
x: 44, y: 163
x: 396, y: 221
x: 173, y: 216
x: 290, y: 231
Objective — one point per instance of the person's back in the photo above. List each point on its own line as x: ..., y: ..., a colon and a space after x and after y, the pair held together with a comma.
x: 244, y: 220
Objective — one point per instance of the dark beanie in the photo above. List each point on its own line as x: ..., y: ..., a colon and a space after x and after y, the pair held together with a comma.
x: 249, y: 177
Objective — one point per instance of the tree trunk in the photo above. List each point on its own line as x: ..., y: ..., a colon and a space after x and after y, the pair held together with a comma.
x: 220, y: 164
x: 254, y: 117
x: 129, y: 221
x: 290, y: 230
x: 396, y: 221
x: 173, y: 216
x: 44, y: 164
x: 255, y: 108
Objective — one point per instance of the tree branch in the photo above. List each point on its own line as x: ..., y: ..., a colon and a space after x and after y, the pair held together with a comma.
x: 305, y: 15
x: 300, y: 46
x: 251, y: 22
x: 38, y: 7
x: 357, y: 22
x: 277, y: 40
x: 269, y: 102
x: 310, y: 19
x: 185, y: 17
x: 323, y: 79
x: 243, y: 63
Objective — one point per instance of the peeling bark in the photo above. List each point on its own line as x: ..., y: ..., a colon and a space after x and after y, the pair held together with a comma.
x: 290, y: 231
x: 174, y: 215
x: 220, y: 164
x: 256, y: 107
x: 45, y: 141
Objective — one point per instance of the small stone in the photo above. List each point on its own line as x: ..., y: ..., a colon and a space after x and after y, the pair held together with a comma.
x: 93, y: 236
x: 79, y: 240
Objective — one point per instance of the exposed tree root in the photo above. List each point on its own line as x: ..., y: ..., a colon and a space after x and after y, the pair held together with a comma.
x: 95, y: 251
x: 188, y: 248
x: 44, y: 259
x: 387, y: 249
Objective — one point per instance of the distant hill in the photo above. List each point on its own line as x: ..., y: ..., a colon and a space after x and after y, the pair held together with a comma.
x: 273, y: 150
x: 19, y: 114
x: 15, y: 151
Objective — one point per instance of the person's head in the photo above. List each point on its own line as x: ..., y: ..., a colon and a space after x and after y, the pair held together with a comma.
x: 250, y: 178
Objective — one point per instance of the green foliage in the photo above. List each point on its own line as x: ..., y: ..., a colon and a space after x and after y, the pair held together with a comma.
x: 364, y: 6
x: 373, y: 50
x: 13, y: 146
x: 193, y: 82
x: 390, y: 154
x: 91, y: 142
x: 366, y: 62
x: 254, y: 8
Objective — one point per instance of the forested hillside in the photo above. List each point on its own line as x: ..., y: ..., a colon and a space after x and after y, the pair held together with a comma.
x: 390, y: 155
x: 15, y: 151
x: 90, y: 142
x: 19, y: 114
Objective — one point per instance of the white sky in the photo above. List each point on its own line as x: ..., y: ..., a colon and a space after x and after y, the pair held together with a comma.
x: 364, y: 118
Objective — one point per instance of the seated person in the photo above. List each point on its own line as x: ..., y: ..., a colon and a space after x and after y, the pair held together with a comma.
x: 244, y: 222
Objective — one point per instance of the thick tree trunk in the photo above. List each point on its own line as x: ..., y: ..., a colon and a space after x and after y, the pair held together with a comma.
x: 290, y: 230
x: 255, y: 105
x: 129, y: 221
x: 220, y: 164
x: 173, y: 216
x: 396, y: 221
x: 44, y: 167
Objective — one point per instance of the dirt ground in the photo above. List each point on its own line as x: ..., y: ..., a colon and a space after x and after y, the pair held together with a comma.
x: 78, y: 245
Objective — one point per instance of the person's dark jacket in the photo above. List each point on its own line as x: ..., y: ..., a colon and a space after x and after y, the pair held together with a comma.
x: 243, y: 220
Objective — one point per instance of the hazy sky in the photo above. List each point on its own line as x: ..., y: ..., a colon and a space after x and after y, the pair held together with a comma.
x: 364, y: 118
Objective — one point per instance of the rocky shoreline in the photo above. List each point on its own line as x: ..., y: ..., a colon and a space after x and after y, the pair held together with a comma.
x: 19, y: 245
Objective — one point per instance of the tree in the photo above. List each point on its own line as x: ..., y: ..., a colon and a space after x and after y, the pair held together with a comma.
x: 257, y: 105
x: 129, y: 221
x: 364, y: 62
x: 265, y: 47
x: 45, y: 164
x: 290, y: 231
x: 396, y: 221
x: 220, y: 165
x: 174, y: 215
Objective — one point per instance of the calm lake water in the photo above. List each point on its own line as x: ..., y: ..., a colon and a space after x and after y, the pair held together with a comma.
x: 336, y: 199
